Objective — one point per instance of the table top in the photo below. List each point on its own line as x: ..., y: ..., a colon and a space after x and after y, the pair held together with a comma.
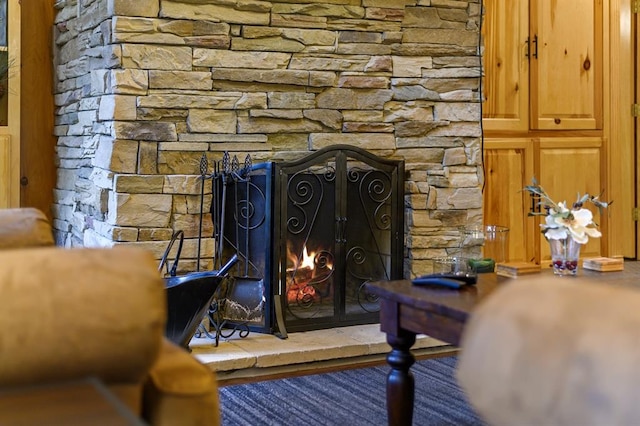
x: 453, y: 303
x: 458, y: 304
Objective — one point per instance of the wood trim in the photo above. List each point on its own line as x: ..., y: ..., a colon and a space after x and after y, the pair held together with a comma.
x: 5, y: 171
x: 618, y: 126
x: 38, y: 143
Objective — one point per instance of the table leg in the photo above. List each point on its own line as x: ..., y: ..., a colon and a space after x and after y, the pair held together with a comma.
x: 400, y: 381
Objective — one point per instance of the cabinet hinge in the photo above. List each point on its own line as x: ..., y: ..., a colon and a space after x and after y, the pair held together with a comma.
x: 635, y: 6
x: 635, y: 110
x: 635, y: 214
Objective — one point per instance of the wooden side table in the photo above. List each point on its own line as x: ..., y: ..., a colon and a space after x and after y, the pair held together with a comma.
x: 82, y: 402
x: 407, y: 310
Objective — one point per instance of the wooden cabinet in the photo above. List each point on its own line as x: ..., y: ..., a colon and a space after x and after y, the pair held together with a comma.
x: 568, y: 166
x: 564, y: 166
x: 508, y: 166
x: 543, y: 113
x: 543, y: 65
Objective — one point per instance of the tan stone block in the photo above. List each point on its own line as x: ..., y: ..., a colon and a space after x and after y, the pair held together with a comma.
x: 363, y: 82
x: 230, y: 59
x: 144, y: 184
x: 119, y: 156
x: 212, y: 121
x: 117, y: 107
x: 395, y: 4
x: 290, y: 114
x: 367, y: 127
x: 291, y: 100
x: 335, y: 98
x: 146, y: 131
x: 453, y: 156
x: 294, y: 77
x: 218, y: 100
x: 133, y: 8
x: 320, y: 9
x: 322, y: 79
x: 369, y: 141
x: 145, y: 56
x: 128, y: 82
x: 155, y: 234
x: 188, y: 80
x: 410, y: 110
x: 152, y: 210
x: 273, y: 125
x: 178, y: 162
x: 147, y: 158
x: 298, y: 21
x: 182, y: 184
x: 384, y: 14
x: 363, y: 49
x: 289, y: 142
x: 271, y: 44
x: 328, y: 117
x: 253, y: 13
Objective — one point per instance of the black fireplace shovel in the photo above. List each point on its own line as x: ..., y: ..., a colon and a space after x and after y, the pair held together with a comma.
x: 188, y: 298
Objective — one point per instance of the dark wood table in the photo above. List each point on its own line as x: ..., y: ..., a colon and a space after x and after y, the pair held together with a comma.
x: 407, y: 310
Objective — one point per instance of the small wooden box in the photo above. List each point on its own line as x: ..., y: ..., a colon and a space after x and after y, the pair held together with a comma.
x: 515, y: 269
x: 603, y: 264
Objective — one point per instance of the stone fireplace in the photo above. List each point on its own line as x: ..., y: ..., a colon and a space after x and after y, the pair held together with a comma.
x: 145, y: 87
x: 309, y: 234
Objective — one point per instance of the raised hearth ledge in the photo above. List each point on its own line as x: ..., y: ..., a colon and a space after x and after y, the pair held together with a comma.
x: 265, y: 356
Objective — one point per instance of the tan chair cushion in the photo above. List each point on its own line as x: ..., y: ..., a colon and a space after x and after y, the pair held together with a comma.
x: 24, y: 227
x: 71, y: 313
x: 555, y: 352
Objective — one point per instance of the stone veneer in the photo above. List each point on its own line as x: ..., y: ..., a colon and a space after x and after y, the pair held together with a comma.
x: 145, y: 87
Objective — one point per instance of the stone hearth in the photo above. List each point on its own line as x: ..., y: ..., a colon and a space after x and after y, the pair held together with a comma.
x: 263, y: 356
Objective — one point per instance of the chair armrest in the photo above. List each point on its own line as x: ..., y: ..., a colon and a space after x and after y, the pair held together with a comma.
x: 24, y: 227
x: 180, y: 390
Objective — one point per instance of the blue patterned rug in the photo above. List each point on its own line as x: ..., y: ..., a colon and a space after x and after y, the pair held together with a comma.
x: 350, y: 397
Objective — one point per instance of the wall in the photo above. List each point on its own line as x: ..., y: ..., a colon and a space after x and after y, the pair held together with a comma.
x: 145, y: 88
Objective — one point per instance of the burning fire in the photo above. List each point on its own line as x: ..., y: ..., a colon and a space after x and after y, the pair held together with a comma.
x: 300, y: 277
x: 307, y: 259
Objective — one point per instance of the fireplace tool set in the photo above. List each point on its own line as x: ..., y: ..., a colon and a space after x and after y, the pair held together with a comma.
x: 196, y: 295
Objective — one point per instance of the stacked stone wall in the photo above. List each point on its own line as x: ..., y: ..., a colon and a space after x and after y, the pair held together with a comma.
x: 145, y: 87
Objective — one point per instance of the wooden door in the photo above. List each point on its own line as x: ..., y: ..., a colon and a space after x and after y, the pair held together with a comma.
x: 566, y: 65
x: 506, y: 65
x: 568, y: 168
x: 508, y: 168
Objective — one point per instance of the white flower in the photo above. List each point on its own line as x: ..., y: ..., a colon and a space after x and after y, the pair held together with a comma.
x: 562, y: 222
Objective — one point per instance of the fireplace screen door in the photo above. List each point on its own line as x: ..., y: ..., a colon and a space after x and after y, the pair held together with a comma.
x: 338, y: 224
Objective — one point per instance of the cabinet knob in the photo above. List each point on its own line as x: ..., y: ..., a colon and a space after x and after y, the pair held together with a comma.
x: 24, y: 181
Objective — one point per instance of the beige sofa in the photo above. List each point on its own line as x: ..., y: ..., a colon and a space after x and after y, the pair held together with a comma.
x: 67, y: 314
x: 556, y: 352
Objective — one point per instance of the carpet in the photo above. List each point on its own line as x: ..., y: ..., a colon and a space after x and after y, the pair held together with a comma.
x: 350, y: 397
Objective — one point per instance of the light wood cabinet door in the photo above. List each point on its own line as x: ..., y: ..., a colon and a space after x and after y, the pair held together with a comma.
x: 566, y: 64
x: 506, y: 64
x: 509, y: 167
x: 569, y: 167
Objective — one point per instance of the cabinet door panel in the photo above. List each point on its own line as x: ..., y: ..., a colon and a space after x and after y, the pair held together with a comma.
x: 507, y: 164
x: 567, y: 73
x: 506, y: 77
x: 569, y: 167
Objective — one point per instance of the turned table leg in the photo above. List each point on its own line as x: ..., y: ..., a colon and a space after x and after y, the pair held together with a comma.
x: 400, y: 382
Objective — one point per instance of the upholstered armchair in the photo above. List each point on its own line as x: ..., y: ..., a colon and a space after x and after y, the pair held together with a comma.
x: 69, y: 314
x: 556, y: 352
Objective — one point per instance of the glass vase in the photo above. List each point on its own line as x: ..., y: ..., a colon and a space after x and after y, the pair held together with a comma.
x: 564, y: 256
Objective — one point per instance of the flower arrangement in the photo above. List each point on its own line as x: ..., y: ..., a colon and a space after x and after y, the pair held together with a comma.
x: 561, y: 221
